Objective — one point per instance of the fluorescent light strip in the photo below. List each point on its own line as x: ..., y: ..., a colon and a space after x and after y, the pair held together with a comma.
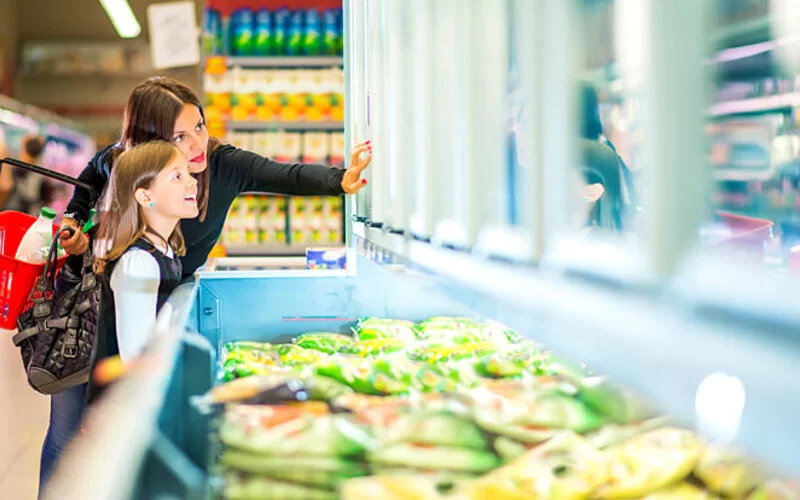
x: 122, y: 17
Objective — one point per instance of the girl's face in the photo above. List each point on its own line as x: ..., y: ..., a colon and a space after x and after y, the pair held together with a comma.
x: 191, y: 137
x: 173, y: 194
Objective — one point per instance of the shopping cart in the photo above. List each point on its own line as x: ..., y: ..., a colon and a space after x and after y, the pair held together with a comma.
x: 17, y: 278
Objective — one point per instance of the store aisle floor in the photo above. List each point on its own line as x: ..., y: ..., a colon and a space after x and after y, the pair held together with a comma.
x: 23, y: 422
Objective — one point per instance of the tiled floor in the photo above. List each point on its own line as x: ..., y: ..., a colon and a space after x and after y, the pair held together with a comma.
x: 23, y: 421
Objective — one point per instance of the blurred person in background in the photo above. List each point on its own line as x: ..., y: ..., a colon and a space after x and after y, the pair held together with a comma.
x: 620, y: 199
x: 29, y: 193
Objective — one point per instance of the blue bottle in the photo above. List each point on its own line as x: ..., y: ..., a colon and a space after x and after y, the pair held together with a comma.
x: 330, y: 33
x: 294, y: 45
x: 242, y: 31
x: 312, y: 41
x: 280, y: 25
x: 340, y: 37
x: 212, y: 32
x: 264, y: 33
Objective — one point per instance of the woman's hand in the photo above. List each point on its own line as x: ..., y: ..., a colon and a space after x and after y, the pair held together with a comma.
x: 78, y: 243
x: 352, y: 181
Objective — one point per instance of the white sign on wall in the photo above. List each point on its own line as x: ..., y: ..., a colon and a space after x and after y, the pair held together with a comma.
x: 174, y: 36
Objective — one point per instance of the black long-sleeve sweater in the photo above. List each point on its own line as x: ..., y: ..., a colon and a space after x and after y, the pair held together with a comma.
x: 232, y: 172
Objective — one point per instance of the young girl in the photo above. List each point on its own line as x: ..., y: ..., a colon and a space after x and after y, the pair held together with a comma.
x: 138, y: 246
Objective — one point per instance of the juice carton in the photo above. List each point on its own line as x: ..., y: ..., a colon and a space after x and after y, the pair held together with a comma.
x: 337, y: 149
x: 218, y: 91
x: 241, y: 140
x: 245, y: 96
x: 315, y: 147
x: 289, y: 147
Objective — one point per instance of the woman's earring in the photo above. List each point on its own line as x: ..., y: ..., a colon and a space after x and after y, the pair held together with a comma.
x: 151, y: 204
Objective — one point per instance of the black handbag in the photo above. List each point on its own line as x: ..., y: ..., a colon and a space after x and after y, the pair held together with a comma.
x: 56, y: 334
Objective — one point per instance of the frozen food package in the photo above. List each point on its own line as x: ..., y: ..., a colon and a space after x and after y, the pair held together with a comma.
x: 776, y: 490
x: 294, y: 355
x: 649, y: 462
x: 381, y: 328
x: 727, y: 472
x: 617, y: 403
x: 566, y: 468
x: 306, y: 429
x: 535, y: 416
x: 241, y: 486
x: 365, y: 376
x: 374, y: 347
x: 613, y: 434
x: 259, y: 352
x: 316, y: 471
x: 681, y: 491
x: 400, y: 487
x: 433, y: 458
x: 329, y: 343
x: 425, y: 427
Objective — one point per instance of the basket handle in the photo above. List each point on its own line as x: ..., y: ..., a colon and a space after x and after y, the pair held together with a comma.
x: 51, y: 265
x: 48, y: 173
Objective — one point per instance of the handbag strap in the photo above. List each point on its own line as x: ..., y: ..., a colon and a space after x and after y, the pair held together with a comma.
x: 60, y: 324
x: 51, y: 264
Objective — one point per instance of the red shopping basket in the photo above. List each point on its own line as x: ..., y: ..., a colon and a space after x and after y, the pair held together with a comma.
x: 17, y: 278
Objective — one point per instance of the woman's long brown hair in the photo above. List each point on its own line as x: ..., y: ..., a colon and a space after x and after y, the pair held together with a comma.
x: 150, y: 114
x: 121, y: 219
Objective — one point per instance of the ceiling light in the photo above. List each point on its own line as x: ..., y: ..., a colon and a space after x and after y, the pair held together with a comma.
x: 122, y: 17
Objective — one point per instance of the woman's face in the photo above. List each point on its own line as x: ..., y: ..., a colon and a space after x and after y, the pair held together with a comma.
x: 191, y: 137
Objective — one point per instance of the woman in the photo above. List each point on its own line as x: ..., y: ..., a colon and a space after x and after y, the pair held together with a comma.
x: 162, y: 108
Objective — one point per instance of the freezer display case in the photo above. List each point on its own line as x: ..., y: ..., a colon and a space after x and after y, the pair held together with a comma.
x: 524, y: 360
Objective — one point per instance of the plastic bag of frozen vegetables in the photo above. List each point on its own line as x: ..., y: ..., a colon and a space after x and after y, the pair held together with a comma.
x: 460, y: 330
x: 369, y: 376
x: 565, y: 468
x: 381, y: 328
x: 650, y: 462
x: 297, y: 450
x: 329, y: 343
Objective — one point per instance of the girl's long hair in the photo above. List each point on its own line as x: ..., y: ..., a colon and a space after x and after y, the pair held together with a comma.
x: 121, y: 218
x: 150, y: 114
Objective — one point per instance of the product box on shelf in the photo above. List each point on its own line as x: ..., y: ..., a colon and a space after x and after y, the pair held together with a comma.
x: 337, y: 149
x: 316, y: 147
x: 289, y: 146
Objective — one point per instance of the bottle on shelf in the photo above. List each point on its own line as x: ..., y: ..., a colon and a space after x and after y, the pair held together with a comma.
x: 35, y: 245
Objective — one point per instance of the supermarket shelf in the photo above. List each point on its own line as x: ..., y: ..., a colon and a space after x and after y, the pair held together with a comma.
x: 254, y: 125
x: 662, y: 346
x: 265, y: 250
x: 263, y: 62
x: 784, y: 102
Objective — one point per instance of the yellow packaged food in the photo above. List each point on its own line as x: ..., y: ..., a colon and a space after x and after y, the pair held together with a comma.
x: 650, y: 462
x: 398, y: 488
x: 681, y: 491
x: 566, y: 468
x: 727, y: 472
